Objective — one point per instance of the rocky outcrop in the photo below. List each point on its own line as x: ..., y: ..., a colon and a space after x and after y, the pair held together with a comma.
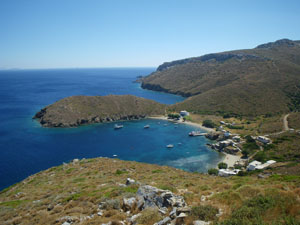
x: 80, y: 110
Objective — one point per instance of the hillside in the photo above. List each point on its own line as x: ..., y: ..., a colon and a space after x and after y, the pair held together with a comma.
x: 248, y: 82
x: 95, y: 191
x: 79, y: 110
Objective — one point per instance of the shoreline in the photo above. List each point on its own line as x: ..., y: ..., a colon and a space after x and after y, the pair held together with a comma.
x: 229, y: 159
x: 186, y: 122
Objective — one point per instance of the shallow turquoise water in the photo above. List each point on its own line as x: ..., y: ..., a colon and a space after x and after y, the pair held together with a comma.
x: 26, y: 147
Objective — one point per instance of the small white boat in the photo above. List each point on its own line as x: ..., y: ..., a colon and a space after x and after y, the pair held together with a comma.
x: 118, y: 126
x: 147, y: 126
x: 196, y: 133
x: 179, y: 143
x: 170, y: 146
x: 115, y: 155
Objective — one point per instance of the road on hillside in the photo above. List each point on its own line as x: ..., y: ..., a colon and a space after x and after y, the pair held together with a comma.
x: 285, y: 122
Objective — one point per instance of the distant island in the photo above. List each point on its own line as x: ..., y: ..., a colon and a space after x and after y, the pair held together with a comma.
x: 79, y: 110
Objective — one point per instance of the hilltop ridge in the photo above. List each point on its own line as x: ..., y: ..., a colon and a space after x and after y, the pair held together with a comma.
x: 248, y: 82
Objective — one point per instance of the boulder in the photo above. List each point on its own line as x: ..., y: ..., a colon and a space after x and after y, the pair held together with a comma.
x: 128, y: 203
x: 164, y: 221
x: 149, y: 196
x: 130, y: 181
x: 200, y: 222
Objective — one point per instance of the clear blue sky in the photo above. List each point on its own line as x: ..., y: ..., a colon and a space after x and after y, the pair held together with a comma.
x: 125, y: 33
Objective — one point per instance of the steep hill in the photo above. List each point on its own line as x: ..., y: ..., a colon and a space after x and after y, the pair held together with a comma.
x: 78, y: 110
x: 95, y: 191
x: 249, y: 82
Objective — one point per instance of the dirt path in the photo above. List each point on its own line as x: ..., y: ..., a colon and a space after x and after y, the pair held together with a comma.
x: 285, y: 122
x: 285, y: 126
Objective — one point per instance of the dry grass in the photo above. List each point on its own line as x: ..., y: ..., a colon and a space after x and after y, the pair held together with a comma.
x: 77, y: 189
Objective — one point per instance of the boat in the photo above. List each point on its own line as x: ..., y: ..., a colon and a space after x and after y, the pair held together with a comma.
x: 118, y: 126
x: 147, y: 126
x: 115, y: 155
x: 196, y: 133
x: 170, y: 146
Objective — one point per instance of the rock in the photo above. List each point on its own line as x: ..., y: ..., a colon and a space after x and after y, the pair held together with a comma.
x: 50, y: 207
x: 203, y: 198
x: 183, y: 210
x: 128, y: 203
x: 150, y: 196
x: 163, y: 211
x: 154, y: 197
x: 173, y: 213
x: 100, y: 213
x: 220, y: 213
x: 133, y: 219
x: 75, y: 161
x: 182, y: 215
x: 130, y: 181
x: 66, y: 223
x: 164, y: 221
x: 200, y: 222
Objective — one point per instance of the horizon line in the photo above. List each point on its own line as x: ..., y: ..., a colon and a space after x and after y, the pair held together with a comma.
x: 61, y: 68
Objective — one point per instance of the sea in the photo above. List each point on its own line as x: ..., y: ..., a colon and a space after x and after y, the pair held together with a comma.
x: 27, y: 148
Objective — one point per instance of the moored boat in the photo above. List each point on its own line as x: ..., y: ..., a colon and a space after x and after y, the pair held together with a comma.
x: 196, y: 133
x: 118, y: 126
x: 170, y: 146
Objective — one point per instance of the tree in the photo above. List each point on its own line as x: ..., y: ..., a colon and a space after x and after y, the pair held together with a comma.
x: 222, y: 165
x: 213, y: 171
x: 208, y: 123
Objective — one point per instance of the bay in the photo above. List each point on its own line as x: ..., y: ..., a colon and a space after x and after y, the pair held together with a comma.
x: 27, y: 148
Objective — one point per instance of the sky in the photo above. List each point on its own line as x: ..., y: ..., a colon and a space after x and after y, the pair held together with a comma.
x: 136, y: 33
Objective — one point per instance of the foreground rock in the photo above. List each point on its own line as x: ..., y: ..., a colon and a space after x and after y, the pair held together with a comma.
x: 78, y: 110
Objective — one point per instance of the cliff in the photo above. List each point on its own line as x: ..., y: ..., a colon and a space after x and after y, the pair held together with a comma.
x: 79, y: 110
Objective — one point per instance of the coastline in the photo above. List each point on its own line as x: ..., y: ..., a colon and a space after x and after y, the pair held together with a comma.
x: 186, y: 122
x: 229, y: 159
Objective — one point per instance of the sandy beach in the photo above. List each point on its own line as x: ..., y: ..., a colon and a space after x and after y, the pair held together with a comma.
x: 228, y: 159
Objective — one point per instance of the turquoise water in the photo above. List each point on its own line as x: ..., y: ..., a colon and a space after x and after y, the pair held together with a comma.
x: 26, y: 147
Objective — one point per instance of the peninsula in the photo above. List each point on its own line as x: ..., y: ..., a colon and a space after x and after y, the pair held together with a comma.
x: 79, y: 110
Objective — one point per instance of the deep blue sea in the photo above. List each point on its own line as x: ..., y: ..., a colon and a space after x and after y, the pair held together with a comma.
x: 27, y: 148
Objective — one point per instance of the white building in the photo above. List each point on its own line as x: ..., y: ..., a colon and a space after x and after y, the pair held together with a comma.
x: 184, y: 113
x: 256, y: 165
x: 228, y: 172
x: 264, y: 139
x: 253, y: 165
x: 265, y: 165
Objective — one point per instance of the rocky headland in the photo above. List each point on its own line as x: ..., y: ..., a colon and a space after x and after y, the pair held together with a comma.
x: 80, y: 110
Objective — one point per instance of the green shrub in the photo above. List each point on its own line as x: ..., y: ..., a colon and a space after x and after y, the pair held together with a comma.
x: 173, y: 116
x: 213, y: 171
x: 242, y: 173
x: 261, y: 156
x: 119, y: 172
x: 237, y: 167
x: 206, y: 212
x: 235, y: 127
x: 208, y: 123
x: 222, y: 165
